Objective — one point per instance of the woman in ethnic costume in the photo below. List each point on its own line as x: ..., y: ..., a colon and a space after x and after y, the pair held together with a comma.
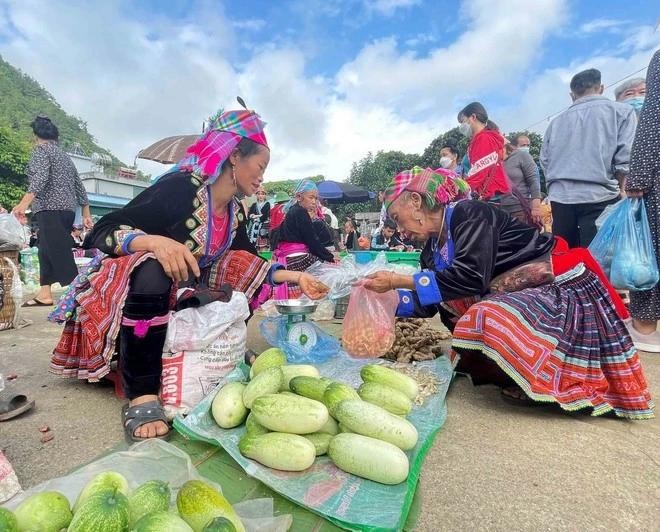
x: 299, y: 245
x: 259, y: 214
x: 489, y: 276
x: 187, y: 225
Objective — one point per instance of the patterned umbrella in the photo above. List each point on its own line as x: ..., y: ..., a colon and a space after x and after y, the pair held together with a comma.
x: 168, y: 150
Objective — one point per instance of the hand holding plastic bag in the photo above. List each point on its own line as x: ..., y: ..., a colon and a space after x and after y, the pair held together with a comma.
x: 369, y: 323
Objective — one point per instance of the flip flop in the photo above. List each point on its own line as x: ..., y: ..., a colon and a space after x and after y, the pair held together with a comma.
x: 134, y: 417
x: 34, y: 302
x: 13, y: 404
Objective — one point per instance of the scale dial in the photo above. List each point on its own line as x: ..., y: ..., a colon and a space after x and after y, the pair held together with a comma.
x: 302, y: 335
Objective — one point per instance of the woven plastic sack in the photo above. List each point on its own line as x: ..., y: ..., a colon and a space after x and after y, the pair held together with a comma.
x: 369, y: 323
x: 156, y: 459
x: 634, y: 265
x: 275, y: 331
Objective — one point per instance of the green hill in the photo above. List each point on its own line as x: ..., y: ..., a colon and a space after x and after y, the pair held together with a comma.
x: 23, y: 98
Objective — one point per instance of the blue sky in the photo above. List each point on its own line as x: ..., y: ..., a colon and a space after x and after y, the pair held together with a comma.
x: 334, y: 79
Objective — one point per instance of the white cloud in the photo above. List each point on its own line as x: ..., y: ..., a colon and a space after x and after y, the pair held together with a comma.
x: 135, y: 82
x: 602, y: 24
x: 252, y: 24
x: 388, y: 7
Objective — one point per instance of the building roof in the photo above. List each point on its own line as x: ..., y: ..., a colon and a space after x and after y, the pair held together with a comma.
x: 103, y: 200
x: 114, y: 179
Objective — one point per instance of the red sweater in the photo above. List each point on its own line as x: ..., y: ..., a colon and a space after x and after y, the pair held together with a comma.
x: 486, y: 176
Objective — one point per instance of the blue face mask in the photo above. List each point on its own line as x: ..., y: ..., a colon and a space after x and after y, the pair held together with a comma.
x: 637, y: 103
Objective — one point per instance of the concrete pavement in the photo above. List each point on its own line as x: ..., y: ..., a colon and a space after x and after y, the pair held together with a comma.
x: 493, y: 466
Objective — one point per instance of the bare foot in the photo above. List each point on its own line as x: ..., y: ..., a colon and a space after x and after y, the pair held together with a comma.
x: 149, y: 430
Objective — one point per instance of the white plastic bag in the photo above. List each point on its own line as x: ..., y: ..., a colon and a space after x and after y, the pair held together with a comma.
x: 193, y: 329
x: 202, y: 345
x: 156, y: 459
x: 11, y: 231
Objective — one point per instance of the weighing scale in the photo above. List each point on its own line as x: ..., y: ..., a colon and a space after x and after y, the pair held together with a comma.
x: 299, y: 332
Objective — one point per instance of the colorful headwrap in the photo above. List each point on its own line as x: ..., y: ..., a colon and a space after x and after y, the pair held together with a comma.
x: 304, y: 186
x: 225, y: 131
x: 437, y: 187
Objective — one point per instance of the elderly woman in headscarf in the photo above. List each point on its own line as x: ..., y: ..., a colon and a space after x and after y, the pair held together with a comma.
x: 644, y: 181
x: 299, y: 245
x: 490, y: 277
x: 189, y: 225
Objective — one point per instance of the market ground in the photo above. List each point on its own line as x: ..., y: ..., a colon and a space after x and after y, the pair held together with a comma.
x: 493, y: 466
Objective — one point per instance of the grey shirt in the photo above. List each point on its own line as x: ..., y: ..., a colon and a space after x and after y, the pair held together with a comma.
x: 54, y: 180
x: 584, y: 147
x: 523, y: 174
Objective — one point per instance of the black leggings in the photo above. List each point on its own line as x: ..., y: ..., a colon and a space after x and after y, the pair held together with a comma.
x: 140, y: 359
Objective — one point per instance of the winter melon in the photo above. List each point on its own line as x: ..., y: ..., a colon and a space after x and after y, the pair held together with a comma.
x: 103, y: 511
x: 48, y: 511
x: 107, y: 480
x: 152, y: 496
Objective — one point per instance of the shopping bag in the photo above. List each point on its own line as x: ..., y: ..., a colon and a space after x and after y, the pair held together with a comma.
x: 11, y: 231
x: 634, y: 265
x: 604, y: 244
x: 369, y: 323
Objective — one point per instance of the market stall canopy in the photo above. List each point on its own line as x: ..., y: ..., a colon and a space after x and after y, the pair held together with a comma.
x: 338, y: 192
x: 168, y: 150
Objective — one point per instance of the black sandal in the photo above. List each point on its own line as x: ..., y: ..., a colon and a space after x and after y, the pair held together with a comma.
x: 519, y: 399
x: 134, y: 417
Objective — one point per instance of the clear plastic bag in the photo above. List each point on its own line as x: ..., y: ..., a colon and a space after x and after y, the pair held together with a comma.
x: 194, y: 329
x: 604, y: 244
x: 11, y: 231
x: 607, y: 213
x: 156, y: 459
x: 369, y: 323
x: 634, y: 265
x: 276, y: 332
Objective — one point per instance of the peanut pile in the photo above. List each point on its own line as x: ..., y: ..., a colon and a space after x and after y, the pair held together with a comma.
x: 416, y: 340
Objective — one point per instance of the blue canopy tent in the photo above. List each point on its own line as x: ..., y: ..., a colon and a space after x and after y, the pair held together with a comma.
x: 335, y: 192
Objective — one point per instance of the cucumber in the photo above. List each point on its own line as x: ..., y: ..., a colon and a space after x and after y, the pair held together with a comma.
x: 152, y: 496
x: 198, y: 504
x: 392, y: 378
x: 343, y: 429
x: 296, y: 370
x: 337, y: 392
x: 286, y: 452
x: 102, y: 511
x: 373, y: 421
x: 369, y: 458
x: 269, y: 358
x: 388, y: 398
x: 47, y: 511
x: 290, y: 413
x: 253, y: 427
x: 227, y: 408
x: 268, y: 381
x: 161, y: 522
x: 321, y: 440
x: 220, y: 524
x: 8, y: 521
x: 103, y: 481
x: 311, y: 387
x: 331, y: 427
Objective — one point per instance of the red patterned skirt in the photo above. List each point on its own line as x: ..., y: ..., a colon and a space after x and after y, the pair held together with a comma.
x: 96, y: 301
x: 562, y: 343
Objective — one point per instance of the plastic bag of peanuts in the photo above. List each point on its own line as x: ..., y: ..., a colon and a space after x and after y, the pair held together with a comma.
x: 368, y: 330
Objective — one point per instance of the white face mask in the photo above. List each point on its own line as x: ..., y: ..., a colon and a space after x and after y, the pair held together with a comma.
x: 446, y: 161
x: 465, y: 129
x: 524, y: 148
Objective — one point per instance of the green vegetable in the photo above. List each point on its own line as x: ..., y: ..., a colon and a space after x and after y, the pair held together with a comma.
x: 344, y: 429
x: 373, y: 421
x: 253, y: 427
x: 269, y: 358
x: 311, y: 387
x: 388, y: 398
x: 321, y: 440
x: 108, y: 480
x: 220, y: 524
x: 337, y: 392
x: 161, y: 522
x: 369, y: 458
x: 290, y: 413
x: 48, y: 511
x: 389, y: 377
x: 296, y: 370
x: 287, y: 452
x: 268, y: 381
x: 331, y: 427
x: 102, y: 511
x: 8, y: 521
x: 198, y: 504
x: 152, y: 496
x: 227, y: 408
